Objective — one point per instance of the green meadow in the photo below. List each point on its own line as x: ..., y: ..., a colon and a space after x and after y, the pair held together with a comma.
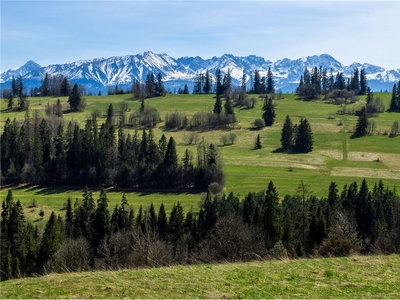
x: 361, y: 277
x: 336, y: 156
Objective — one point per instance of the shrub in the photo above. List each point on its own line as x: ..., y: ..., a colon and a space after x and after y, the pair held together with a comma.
x: 214, y: 187
x: 259, y: 123
x: 232, y: 137
x: 191, y: 138
x: 224, y: 139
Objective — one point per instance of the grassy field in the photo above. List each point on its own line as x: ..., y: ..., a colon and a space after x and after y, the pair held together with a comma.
x: 336, y: 157
x: 362, y: 277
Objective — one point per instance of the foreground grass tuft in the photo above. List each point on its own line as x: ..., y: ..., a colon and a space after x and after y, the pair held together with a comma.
x: 350, y: 277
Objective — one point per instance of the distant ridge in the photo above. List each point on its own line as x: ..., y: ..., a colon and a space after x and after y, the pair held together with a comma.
x: 100, y: 73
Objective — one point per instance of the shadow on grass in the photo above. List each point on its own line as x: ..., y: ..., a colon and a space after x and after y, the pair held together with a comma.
x: 51, y: 190
x: 48, y: 189
x: 281, y: 150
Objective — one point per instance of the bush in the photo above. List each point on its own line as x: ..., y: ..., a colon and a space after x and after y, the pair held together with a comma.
x: 224, y: 139
x: 342, y: 239
x: 214, y: 187
x: 73, y: 255
x: 232, y: 137
x: 175, y: 120
x: 191, y: 138
x: 259, y: 123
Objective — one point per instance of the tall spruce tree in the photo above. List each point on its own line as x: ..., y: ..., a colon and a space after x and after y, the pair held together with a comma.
x: 269, y: 111
x: 362, y: 124
x: 304, y: 139
x: 207, y: 83
x: 218, y: 81
x: 257, y: 144
x: 287, y: 136
x: 395, y: 100
x: 218, y: 106
x: 270, y: 85
x: 75, y: 99
x: 363, y: 82
x: 101, y: 221
x: 257, y: 82
x: 272, y: 216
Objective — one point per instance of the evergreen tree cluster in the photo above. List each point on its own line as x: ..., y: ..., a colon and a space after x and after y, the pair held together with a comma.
x: 56, y: 85
x: 18, y: 90
x: 297, y: 138
x: 39, y: 152
x: 269, y: 111
x: 153, y: 87
x: 227, y: 229
x: 263, y: 85
x: 223, y: 85
x: 317, y: 82
x: 203, y: 83
x: 395, y: 100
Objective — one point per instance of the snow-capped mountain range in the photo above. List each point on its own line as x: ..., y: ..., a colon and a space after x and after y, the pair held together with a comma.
x: 101, y: 73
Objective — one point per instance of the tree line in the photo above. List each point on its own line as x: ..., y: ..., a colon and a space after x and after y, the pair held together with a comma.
x: 44, y: 151
x: 221, y: 85
x: 153, y: 87
x: 90, y: 235
x: 317, y: 82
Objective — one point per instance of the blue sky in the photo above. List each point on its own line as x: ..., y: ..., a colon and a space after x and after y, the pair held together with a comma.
x: 51, y: 32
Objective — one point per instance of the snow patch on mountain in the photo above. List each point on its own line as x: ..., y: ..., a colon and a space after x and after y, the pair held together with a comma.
x: 124, y: 70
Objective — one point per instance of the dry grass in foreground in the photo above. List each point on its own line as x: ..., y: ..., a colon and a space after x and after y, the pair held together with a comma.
x: 349, y: 277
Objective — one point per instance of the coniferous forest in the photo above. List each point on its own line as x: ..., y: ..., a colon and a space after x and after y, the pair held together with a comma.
x: 90, y: 235
x: 102, y: 155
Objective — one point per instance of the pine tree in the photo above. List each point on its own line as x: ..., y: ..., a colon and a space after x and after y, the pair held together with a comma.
x: 229, y: 110
x: 69, y: 218
x: 227, y: 84
x: 218, y: 78
x: 159, y: 87
x: 270, y: 86
x: 207, y: 83
x: 269, y: 111
x: 355, y: 81
x: 171, y: 157
x: 395, y: 100
x: 287, y: 134
x: 75, y: 100
x: 162, y: 224
x: 101, y: 221
x: 304, y: 139
x: 257, y: 144
x: 186, y: 90
x: 218, y: 106
x: 243, y: 82
x: 60, y: 158
x: 272, y: 216
x: 65, y: 89
x: 362, y: 124
x: 51, y: 240
x: 150, y: 85
x: 370, y: 96
x: 363, y: 82
x: 45, y: 87
x: 257, y: 82
x: 176, y: 224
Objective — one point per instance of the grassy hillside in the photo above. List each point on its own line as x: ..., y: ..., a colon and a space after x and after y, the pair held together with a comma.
x: 336, y: 157
x: 365, y: 277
